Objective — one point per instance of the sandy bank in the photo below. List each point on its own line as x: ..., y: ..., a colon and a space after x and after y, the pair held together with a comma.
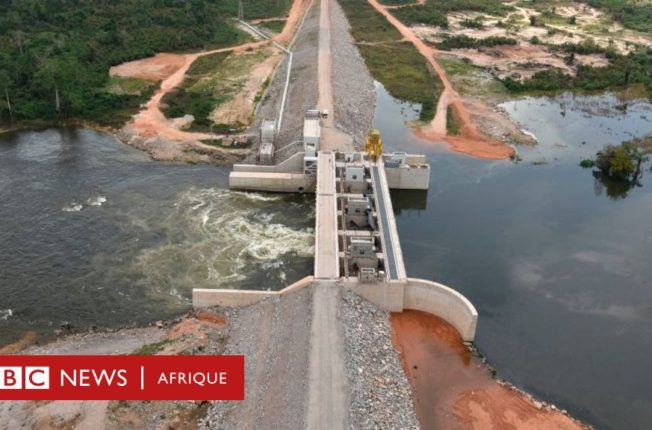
x: 453, y: 389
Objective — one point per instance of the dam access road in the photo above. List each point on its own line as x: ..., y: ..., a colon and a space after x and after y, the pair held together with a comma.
x: 366, y: 260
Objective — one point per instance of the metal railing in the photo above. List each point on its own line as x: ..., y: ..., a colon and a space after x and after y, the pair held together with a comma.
x: 279, y: 123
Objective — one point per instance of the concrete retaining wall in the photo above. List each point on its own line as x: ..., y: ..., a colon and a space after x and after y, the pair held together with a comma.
x: 446, y: 303
x: 408, y: 177
x: 294, y: 164
x: 207, y: 297
x: 271, y: 182
x: 386, y: 295
x: 416, y: 294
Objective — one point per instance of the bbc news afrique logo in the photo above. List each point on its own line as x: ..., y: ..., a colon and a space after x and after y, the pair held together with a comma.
x: 24, y: 378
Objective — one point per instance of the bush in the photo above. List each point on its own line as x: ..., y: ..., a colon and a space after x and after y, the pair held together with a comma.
x: 634, y: 16
x: 367, y: 25
x: 462, y: 41
x: 619, y: 162
x: 434, y: 12
x: 587, y: 163
x: 472, y: 23
x: 621, y: 72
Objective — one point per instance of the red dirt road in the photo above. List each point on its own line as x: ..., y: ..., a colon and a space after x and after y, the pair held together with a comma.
x: 172, y: 69
x: 471, y: 140
x: 154, y: 68
x: 453, y: 390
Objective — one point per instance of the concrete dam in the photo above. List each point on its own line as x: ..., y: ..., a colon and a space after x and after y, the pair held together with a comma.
x: 357, y: 244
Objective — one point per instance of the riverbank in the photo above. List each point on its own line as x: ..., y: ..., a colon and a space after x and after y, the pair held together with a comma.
x: 158, y: 147
x: 453, y: 388
x: 276, y: 369
x: 44, y: 125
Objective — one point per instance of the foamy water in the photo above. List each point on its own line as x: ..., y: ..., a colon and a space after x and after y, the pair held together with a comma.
x: 73, y: 207
x: 230, y: 237
x: 96, y: 201
x: 116, y: 239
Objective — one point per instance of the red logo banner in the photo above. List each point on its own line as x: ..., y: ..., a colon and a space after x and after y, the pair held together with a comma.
x: 121, y: 377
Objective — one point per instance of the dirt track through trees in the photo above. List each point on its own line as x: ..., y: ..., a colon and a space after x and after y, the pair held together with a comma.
x: 152, y: 123
x: 471, y: 140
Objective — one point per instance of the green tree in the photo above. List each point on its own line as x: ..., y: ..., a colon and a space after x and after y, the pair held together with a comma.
x: 5, y: 83
x: 618, y: 161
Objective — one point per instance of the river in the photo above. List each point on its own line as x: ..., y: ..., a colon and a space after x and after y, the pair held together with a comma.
x: 93, y: 232
x: 557, y: 264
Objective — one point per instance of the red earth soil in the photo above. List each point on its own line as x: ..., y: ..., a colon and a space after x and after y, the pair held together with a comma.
x: 453, y: 390
x: 471, y: 140
x: 171, y: 69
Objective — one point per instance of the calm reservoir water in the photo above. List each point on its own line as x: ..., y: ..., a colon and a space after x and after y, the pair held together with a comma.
x: 560, y: 271
x: 92, y: 232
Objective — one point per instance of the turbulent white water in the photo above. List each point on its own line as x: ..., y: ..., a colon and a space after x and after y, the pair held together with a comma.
x: 5, y: 314
x: 73, y: 207
x: 225, y: 238
x: 96, y: 201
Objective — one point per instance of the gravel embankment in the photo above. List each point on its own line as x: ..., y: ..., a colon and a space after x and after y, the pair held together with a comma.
x: 353, y: 87
x: 379, y: 391
x: 274, y: 337
x: 303, y: 91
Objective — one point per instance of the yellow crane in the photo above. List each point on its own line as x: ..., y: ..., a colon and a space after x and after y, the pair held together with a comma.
x: 374, y: 144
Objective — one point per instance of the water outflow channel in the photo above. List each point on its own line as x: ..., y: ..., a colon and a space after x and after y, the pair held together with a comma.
x: 557, y: 263
x: 92, y: 232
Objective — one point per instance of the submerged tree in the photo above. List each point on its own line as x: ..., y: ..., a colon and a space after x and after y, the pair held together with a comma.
x: 619, y: 168
x: 616, y: 161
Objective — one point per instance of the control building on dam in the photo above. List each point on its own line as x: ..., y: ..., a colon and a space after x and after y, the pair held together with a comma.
x: 356, y: 240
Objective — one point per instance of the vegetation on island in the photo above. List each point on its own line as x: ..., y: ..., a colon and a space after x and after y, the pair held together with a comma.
x: 396, y: 64
x: 55, y: 54
x: 618, y: 168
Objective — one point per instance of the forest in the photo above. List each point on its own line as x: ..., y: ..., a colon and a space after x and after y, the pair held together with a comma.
x: 55, y: 54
